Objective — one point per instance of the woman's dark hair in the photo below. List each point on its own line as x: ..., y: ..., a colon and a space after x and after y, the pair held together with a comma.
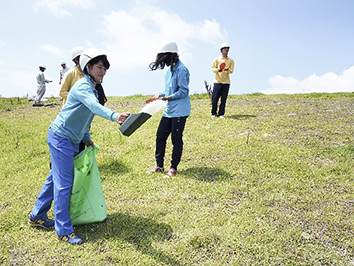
x: 97, y: 59
x: 164, y: 59
x: 101, y: 95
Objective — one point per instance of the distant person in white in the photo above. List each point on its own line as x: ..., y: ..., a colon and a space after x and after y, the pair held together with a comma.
x: 62, y: 70
x: 41, y: 86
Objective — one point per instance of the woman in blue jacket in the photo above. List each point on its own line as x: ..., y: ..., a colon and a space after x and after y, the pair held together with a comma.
x: 85, y: 100
x: 178, y: 107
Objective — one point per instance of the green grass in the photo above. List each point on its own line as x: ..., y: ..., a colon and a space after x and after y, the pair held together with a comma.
x: 271, y: 184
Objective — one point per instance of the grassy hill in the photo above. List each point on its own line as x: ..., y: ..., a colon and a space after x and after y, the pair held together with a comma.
x: 271, y: 184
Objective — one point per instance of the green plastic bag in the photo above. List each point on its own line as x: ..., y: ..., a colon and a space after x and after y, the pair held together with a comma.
x: 87, y: 204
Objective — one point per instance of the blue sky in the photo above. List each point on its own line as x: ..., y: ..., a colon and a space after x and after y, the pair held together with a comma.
x: 279, y: 46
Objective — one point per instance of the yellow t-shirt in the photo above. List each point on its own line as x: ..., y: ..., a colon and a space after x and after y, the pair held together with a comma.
x: 223, y: 76
x: 69, y: 80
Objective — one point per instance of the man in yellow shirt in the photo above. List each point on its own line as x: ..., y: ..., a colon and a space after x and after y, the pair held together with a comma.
x: 223, y: 66
x: 72, y: 75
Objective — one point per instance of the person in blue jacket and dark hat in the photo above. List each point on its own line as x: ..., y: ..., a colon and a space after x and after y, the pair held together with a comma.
x: 178, y: 108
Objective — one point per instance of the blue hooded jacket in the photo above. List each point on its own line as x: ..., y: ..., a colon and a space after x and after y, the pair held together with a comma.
x: 177, y: 86
x: 74, y: 120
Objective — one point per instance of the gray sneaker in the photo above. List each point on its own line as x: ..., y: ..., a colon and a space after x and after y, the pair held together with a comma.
x: 156, y: 169
x: 170, y: 173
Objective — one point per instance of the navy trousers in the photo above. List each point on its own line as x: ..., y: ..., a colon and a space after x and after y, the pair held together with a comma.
x: 219, y: 91
x: 175, y: 127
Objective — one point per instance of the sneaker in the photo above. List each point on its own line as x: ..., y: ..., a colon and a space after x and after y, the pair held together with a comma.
x: 170, y: 173
x: 37, y: 105
x: 71, y: 239
x: 47, y: 223
x: 213, y: 115
x: 221, y: 116
x: 156, y: 169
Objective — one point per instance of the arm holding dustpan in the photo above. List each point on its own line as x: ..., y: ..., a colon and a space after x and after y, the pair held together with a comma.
x: 157, y: 96
x: 134, y: 121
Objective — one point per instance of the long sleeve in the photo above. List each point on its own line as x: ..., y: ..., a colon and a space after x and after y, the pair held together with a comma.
x: 177, y: 86
x: 70, y: 78
x: 223, y: 76
x: 215, y: 66
x: 182, y: 84
x: 74, y: 120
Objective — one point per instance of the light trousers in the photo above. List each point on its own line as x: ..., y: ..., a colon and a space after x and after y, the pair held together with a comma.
x: 41, y: 88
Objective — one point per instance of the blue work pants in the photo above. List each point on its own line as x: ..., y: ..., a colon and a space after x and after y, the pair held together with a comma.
x: 58, y: 184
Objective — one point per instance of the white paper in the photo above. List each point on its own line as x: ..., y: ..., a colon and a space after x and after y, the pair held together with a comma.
x: 153, y: 107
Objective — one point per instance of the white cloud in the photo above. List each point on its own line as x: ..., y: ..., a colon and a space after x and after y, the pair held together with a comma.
x: 209, y: 31
x: 60, y: 7
x: 53, y: 50
x: 328, y: 82
x: 134, y: 36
